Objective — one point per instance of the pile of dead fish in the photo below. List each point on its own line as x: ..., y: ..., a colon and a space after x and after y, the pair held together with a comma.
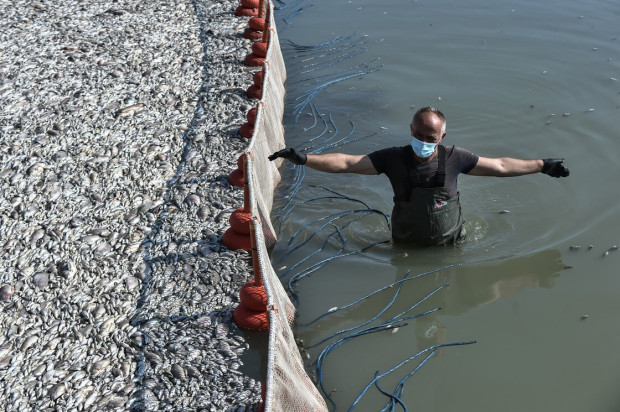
x: 118, y: 130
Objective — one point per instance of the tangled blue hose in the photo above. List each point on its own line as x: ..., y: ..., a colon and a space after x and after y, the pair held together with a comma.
x: 379, y: 376
x: 358, y: 301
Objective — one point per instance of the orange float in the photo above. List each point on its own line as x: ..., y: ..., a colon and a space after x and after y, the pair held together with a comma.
x: 254, y: 92
x: 253, y: 296
x: 235, y: 178
x: 248, y: 12
x: 259, y: 48
x: 251, y: 116
x: 250, y: 319
x: 236, y: 241
x: 258, y: 78
x: 257, y: 23
x: 252, y: 34
x: 240, y: 221
x: 250, y: 4
x: 254, y: 60
x: 246, y: 130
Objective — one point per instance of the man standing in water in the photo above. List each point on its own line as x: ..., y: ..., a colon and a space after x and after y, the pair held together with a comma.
x: 424, y: 177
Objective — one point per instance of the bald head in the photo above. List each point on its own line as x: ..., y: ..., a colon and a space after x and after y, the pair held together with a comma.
x: 430, y: 118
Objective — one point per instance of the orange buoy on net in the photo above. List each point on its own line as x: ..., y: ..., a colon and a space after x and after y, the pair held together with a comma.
x: 250, y: 319
x: 259, y: 48
x: 235, y: 178
x: 258, y: 78
x: 240, y: 221
x: 236, y: 241
x: 251, y: 116
x: 254, y: 60
x: 254, y: 92
x: 246, y: 130
x: 250, y: 4
x: 257, y: 23
x: 241, y: 161
x: 252, y: 34
x: 248, y: 12
x: 253, y: 296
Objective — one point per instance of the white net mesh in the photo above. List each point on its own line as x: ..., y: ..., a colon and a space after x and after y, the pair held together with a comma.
x: 288, y: 386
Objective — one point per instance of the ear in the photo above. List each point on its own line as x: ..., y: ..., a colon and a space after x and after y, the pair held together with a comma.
x: 443, y: 136
x: 411, y: 128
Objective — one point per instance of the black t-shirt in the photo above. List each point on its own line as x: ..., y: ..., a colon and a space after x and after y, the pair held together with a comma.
x: 395, y: 161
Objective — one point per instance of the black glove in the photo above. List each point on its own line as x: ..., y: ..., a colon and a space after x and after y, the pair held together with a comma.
x: 291, y: 155
x: 555, y: 168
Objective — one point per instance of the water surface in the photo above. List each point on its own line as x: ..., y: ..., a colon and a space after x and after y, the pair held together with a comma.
x: 515, y: 78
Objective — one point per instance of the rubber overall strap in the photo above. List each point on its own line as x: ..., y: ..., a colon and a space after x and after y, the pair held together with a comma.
x: 441, y: 166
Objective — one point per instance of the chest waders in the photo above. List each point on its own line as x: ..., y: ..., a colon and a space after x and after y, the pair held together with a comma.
x: 430, y: 217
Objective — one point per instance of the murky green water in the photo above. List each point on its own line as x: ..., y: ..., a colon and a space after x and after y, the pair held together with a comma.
x: 514, y: 78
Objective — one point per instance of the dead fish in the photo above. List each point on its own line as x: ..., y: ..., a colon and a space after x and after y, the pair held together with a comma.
x: 6, y: 292
x: 129, y: 110
x: 178, y: 372
x: 28, y: 342
x: 57, y: 390
x: 41, y: 279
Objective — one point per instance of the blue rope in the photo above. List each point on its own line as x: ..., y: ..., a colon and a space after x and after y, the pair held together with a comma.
x: 332, y: 217
x: 310, y: 67
x: 358, y: 301
x: 340, y: 332
x: 377, y: 377
x: 300, y: 203
x: 337, y: 343
x: 332, y: 137
x: 320, y: 46
x: 341, y: 143
x: 325, y: 130
x: 316, y: 79
x: 398, y: 317
x: 295, y: 13
x: 312, y: 93
x: 398, y: 391
x: 324, y: 262
x: 393, y: 398
x: 289, y: 270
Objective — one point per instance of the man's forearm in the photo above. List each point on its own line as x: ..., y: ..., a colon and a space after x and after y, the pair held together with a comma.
x: 519, y: 167
x: 328, y: 162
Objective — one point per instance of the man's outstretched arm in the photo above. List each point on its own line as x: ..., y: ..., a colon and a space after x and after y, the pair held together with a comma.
x: 329, y: 162
x: 507, y: 167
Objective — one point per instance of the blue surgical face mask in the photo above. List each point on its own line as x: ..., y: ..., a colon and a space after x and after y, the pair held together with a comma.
x: 422, y: 149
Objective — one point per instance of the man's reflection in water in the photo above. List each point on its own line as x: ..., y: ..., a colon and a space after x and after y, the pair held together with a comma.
x: 475, y: 286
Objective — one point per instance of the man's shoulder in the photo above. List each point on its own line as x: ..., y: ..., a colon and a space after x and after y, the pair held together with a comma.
x: 388, y: 158
x: 465, y: 159
x: 389, y: 150
x: 457, y: 150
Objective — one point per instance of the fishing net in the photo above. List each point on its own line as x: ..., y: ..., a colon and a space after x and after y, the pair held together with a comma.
x: 288, y: 387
